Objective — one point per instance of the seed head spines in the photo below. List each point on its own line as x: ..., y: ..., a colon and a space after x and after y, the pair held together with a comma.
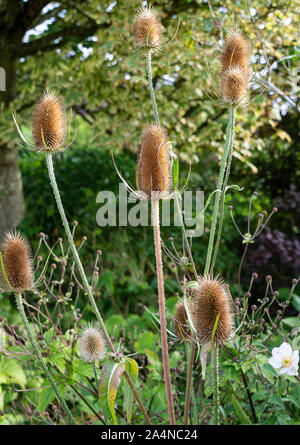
x: 153, y: 167
x: 17, y: 261
x: 147, y: 28
x: 49, y: 123
x: 212, y: 299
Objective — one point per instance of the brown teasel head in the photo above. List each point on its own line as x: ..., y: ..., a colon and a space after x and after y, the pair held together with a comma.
x: 153, y: 166
x: 18, y: 263
x: 236, y: 52
x: 147, y: 28
x: 234, y: 85
x: 181, y: 324
x: 49, y: 123
x: 213, y: 299
x: 235, y: 69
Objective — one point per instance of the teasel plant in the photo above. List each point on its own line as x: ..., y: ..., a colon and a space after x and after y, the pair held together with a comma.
x: 17, y: 275
x: 154, y: 173
x: 52, y: 134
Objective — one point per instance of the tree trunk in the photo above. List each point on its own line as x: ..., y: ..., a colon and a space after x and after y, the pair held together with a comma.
x: 11, y: 192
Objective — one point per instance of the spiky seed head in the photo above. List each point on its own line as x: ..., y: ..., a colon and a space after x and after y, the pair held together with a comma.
x: 211, y: 300
x: 147, y: 28
x: 236, y: 52
x: 17, y: 261
x: 234, y: 86
x: 92, y: 344
x: 153, y: 167
x: 49, y: 122
x: 181, y: 324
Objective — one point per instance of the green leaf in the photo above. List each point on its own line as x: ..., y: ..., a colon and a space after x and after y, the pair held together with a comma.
x: 291, y: 322
x: 132, y: 369
x: 11, y: 371
x: 240, y: 412
x: 110, y: 380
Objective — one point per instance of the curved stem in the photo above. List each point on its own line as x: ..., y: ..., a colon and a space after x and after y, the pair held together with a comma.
x: 191, y: 348
x: 162, y: 306
x: 83, y: 275
x: 38, y: 353
x: 227, y: 153
x: 150, y: 83
x: 215, y: 365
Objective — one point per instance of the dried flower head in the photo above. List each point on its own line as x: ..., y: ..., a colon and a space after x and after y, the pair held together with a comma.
x: 153, y: 168
x: 211, y: 300
x: 17, y: 262
x: 49, y: 123
x: 235, y: 69
x: 236, y: 52
x: 92, y: 344
x: 181, y: 324
x: 234, y: 85
x: 147, y: 28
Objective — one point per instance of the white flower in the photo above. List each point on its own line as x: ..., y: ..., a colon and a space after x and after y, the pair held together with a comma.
x: 285, y: 359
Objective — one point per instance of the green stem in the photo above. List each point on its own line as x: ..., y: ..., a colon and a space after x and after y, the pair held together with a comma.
x: 186, y: 241
x: 95, y: 373
x: 190, y: 348
x: 215, y: 367
x: 227, y: 149
x: 228, y: 167
x: 150, y: 83
x: 84, y: 278
x: 38, y: 353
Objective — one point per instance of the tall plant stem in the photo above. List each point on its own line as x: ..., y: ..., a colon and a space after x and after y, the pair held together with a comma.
x: 84, y: 278
x: 215, y: 366
x: 186, y: 241
x: 150, y: 83
x: 38, y: 353
x: 191, y: 348
x: 227, y: 150
x: 162, y: 306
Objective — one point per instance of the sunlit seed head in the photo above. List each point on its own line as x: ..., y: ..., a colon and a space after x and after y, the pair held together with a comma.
x: 211, y: 300
x: 49, y: 122
x: 92, y: 344
x: 17, y: 261
x: 147, y: 28
x: 153, y: 166
x: 236, y: 52
x: 234, y: 86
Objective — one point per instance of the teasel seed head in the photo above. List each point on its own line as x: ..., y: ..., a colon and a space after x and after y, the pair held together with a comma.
x: 49, y: 122
x: 236, y: 52
x: 92, y: 344
x: 153, y: 167
x: 235, y: 69
x: 213, y: 299
x: 147, y: 28
x: 234, y: 86
x: 17, y: 262
x: 181, y: 323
